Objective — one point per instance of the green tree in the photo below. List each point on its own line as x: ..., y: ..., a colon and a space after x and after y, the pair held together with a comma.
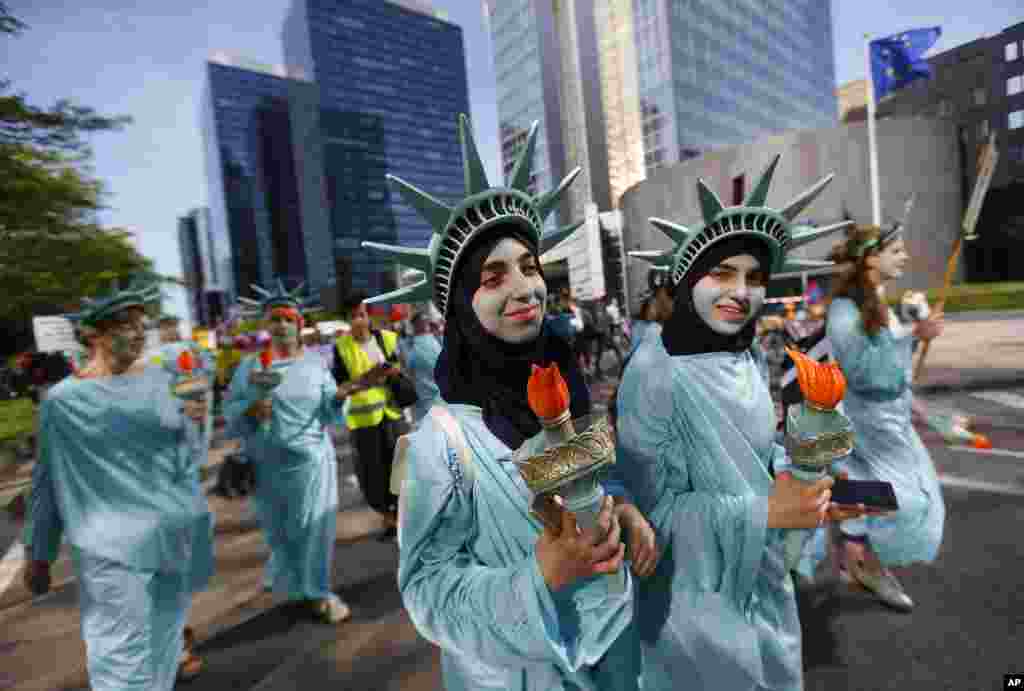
x: 53, y: 251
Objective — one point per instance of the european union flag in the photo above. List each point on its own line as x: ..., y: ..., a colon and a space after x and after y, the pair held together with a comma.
x: 898, y: 59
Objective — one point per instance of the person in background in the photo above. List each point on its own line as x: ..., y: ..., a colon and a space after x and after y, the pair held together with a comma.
x: 122, y: 481
x: 875, y: 351
x: 420, y: 360
x: 296, y: 474
x: 362, y: 368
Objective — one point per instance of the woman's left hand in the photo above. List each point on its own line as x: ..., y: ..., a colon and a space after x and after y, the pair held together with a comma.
x: 929, y: 328
x: 643, y: 547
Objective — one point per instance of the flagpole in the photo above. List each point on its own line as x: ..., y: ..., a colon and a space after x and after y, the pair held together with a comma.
x: 876, y: 204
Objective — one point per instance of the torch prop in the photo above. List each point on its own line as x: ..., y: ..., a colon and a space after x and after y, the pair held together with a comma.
x: 817, y: 434
x: 571, y: 463
x: 266, y: 379
x: 188, y: 384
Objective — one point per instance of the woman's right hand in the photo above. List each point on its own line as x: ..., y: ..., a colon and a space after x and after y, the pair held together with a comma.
x: 261, y: 410
x: 796, y: 504
x: 377, y: 376
x: 566, y: 554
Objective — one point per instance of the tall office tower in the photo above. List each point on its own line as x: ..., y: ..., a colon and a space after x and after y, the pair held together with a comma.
x: 391, y: 79
x: 620, y: 97
x: 545, y: 60
x: 264, y: 165
x: 715, y: 74
x: 203, y: 265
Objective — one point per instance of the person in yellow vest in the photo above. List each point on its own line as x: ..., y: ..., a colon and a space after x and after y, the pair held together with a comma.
x: 362, y: 368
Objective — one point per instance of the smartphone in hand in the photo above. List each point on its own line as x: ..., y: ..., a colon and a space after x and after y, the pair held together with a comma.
x: 874, y: 494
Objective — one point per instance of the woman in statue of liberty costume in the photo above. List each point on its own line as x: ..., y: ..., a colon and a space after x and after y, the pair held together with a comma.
x: 696, y: 426
x: 284, y: 433
x: 118, y: 474
x: 513, y: 605
x: 874, y: 350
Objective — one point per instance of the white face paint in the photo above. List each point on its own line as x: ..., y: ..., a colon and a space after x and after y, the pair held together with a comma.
x: 892, y: 260
x: 731, y: 294
x: 510, y: 300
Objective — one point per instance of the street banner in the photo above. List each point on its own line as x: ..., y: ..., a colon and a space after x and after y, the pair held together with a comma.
x: 986, y: 168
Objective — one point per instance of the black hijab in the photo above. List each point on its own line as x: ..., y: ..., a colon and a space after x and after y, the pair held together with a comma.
x: 480, y: 369
x: 686, y: 333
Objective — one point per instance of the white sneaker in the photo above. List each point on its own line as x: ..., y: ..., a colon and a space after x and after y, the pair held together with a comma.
x: 332, y: 610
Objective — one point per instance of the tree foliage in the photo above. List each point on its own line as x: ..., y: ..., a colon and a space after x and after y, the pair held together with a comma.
x: 53, y: 251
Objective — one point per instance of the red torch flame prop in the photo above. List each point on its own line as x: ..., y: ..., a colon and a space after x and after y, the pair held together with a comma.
x: 548, y: 396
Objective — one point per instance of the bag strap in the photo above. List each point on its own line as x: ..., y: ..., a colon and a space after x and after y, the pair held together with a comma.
x: 380, y: 343
x: 456, y: 437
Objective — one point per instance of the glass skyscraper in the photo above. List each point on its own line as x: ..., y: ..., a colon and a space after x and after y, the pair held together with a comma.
x: 715, y: 74
x: 391, y: 81
x: 264, y: 163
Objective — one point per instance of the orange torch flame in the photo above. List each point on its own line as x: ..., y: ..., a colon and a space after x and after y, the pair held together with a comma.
x: 822, y: 384
x: 185, y: 362
x: 266, y: 357
x: 547, y: 392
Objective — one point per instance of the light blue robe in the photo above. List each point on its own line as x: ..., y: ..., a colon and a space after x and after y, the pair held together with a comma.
x: 642, y: 330
x: 696, y: 445
x: 296, y: 493
x: 886, y: 446
x: 472, y: 585
x: 420, y: 358
x: 118, y: 474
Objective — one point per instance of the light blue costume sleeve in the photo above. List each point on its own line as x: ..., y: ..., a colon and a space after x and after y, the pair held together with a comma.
x: 657, y: 447
x: 330, y: 405
x: 239, y: 398
x: 498, y: 617
x: 47, y: 527
x: 873, y: 365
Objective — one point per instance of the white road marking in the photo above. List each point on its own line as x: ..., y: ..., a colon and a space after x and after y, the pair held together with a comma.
x: 968, y: 483
x: 989, y: 452
x: 1006, y: 398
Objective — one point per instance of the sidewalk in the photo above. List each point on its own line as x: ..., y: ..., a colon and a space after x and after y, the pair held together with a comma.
x: 986, y: 352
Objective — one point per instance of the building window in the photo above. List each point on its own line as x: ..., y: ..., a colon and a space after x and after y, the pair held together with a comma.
x: 1014, y: 85
x: 1016, y: 119
x: 1011, y: 52
x: 737, y: 189
x: 979, y: 96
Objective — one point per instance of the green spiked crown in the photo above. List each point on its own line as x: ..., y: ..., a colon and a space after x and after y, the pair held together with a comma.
x: 276, y: 296
x: 96, y: 310
x: 455, y: 227
x: 752, y: 219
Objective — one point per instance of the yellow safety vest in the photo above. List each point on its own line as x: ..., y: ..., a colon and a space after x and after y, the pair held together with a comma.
x: 366, y: 408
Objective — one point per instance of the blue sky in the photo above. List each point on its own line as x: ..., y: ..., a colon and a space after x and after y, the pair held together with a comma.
x: 146, y: 59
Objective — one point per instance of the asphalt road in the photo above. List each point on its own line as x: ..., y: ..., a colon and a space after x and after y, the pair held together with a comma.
x: 965, y: 633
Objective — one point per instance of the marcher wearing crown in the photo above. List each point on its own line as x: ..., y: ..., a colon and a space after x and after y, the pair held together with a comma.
x: 118, y: 475
x: 697, y: 449
x: 875, y: 351
x: 280, y: 403
x: 514, y: 605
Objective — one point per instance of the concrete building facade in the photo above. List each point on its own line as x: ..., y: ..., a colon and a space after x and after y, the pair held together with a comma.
x: 921, y: 157
x: 979, y: 88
